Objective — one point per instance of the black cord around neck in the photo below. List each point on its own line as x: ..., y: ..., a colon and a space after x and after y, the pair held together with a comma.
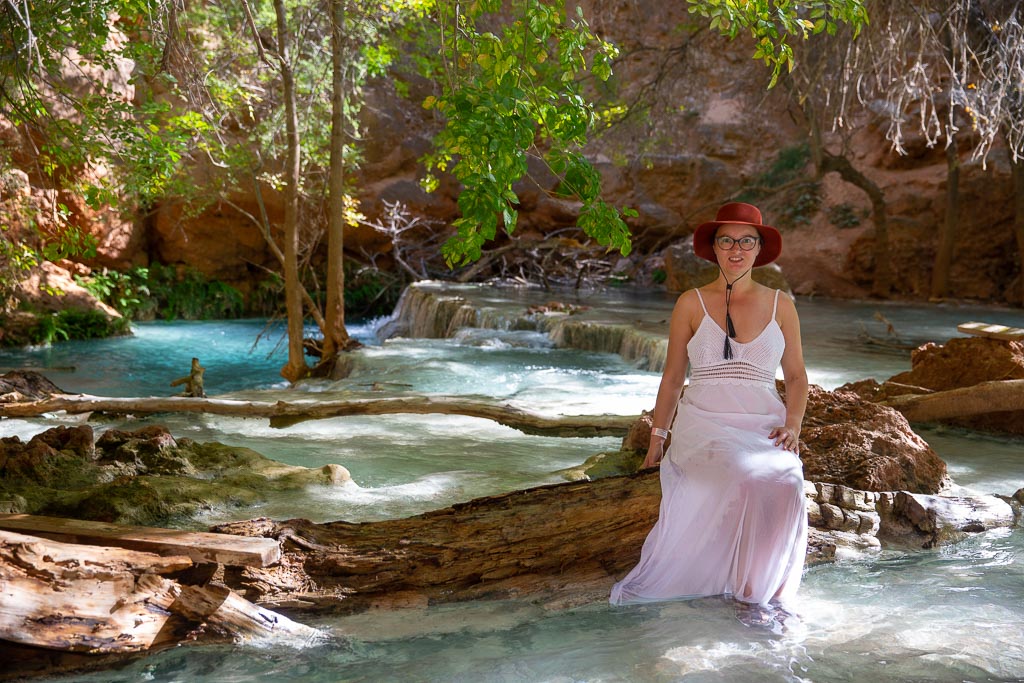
x: 730, y: 330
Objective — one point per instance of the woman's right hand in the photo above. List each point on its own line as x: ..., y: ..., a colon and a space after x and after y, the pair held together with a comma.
x: 655, y: 452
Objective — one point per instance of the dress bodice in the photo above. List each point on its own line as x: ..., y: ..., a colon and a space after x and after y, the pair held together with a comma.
x: 752, y: 363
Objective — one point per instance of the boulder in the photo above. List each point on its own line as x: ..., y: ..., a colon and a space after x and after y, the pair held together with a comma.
x: 960, y: 362
x: 850, y: 441
x: 49, y: 287
x: 26, y: 385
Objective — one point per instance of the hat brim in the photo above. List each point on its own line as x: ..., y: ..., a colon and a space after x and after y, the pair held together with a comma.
x: 771, y: 241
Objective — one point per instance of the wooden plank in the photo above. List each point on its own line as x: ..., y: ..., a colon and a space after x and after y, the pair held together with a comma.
x: 201, y: 547
x: 992, y: 330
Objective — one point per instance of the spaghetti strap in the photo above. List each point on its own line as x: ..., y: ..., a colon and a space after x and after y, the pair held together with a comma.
x: 701, y: 300
x: 775, y: 308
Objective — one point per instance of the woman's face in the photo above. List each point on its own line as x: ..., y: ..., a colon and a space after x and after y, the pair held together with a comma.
x: 730, y: 240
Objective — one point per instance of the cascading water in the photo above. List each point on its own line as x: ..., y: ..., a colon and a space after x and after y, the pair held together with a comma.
x: 948, y: 615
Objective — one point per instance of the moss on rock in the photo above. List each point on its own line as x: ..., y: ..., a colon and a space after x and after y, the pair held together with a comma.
x: 142, y: 477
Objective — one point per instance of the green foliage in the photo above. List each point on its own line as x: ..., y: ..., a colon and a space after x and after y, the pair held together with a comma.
x: 163, y: 291
x: 805, y: 202
x: 659, y: 276
x: 73, y: 324
x: 510, y: 94
x: 370, y: 292
x: 773, y: 22
x: 789, y: 166
x: 128, y: 293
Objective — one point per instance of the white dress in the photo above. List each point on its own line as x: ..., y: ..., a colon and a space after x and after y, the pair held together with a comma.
x: 733, y: 520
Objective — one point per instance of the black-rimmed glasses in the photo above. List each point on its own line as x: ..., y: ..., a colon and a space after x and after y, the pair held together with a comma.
x: 726, y: 243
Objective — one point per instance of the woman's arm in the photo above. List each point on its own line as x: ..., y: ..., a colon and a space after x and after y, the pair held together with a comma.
x: 795, y: 373
x: 679, y: 333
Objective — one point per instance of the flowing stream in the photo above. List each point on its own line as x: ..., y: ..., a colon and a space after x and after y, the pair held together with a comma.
x: 954, y: 614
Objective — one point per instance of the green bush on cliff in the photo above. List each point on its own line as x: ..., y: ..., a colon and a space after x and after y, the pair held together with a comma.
x: 162, y: 291
x: 73, y: 324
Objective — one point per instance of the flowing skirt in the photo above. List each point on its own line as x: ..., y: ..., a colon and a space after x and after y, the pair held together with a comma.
x: 733, y: 519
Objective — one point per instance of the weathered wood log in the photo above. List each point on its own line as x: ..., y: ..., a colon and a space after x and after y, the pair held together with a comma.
x: 236, y: 618
x: 284, y: 414
x: 193, y: 381
x: 565, y: 542
x: 992, y: 330
x: 83, y: 598
x: 983, y: 398
x: 198, y: 546
x: 111, y: 601
x: 562, y: 544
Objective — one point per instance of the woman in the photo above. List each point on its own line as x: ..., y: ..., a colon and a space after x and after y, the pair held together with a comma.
x: 733, y: 519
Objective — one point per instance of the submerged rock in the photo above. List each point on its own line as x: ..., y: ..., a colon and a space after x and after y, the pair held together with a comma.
x: 139, y: 477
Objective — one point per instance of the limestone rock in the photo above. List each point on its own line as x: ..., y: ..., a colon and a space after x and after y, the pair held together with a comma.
x: 850, y: 441
x: 142, y: 477
x: 38, y: 289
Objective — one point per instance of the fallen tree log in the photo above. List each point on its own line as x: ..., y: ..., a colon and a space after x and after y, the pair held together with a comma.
x: 83, y: 598
x: 565, y: 541
x: 983, y: 398
x: 282, y: 414
x: 199, y: 547
x: 561, y: 545
x: 96, y: 600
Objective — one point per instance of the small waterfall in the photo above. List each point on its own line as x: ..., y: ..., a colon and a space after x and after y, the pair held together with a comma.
x: 425, y: 311
x: 647, y: 349
x: 432, y: 310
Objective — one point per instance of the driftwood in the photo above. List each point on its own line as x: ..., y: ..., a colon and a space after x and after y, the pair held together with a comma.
x: 564, y: 542
x: 83, y: 598
x: 199, y: 547
x: 983, y: 398
x: 103, y: 600
x: 283, y: 414
x: 237, y: 619
x: 193, y: 381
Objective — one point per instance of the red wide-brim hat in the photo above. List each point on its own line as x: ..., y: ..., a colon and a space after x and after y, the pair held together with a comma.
x: 738, y: 213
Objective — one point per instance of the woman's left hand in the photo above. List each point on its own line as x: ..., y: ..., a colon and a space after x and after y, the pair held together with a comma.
x: 786, y: 437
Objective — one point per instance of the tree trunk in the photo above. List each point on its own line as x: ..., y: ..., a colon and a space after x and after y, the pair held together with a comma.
x: 296, y: 367
x: 335, y: 335
x: 1018, y: 221
x: 283, y: 414
x: 949, y: 229
x: 882, y: 285
x: 979, y: 399
x: 825, y: 162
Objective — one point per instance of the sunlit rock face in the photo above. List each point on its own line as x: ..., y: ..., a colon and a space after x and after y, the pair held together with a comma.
x: 850, y: 441
x: 960, y: 362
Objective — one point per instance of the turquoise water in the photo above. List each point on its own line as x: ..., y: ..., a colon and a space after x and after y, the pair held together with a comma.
x: 949, y: 615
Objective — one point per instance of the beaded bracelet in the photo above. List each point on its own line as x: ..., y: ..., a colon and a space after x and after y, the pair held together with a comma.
x: 658, y: 431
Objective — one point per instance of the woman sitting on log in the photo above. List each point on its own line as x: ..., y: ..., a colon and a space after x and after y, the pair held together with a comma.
x: 732, y: 519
